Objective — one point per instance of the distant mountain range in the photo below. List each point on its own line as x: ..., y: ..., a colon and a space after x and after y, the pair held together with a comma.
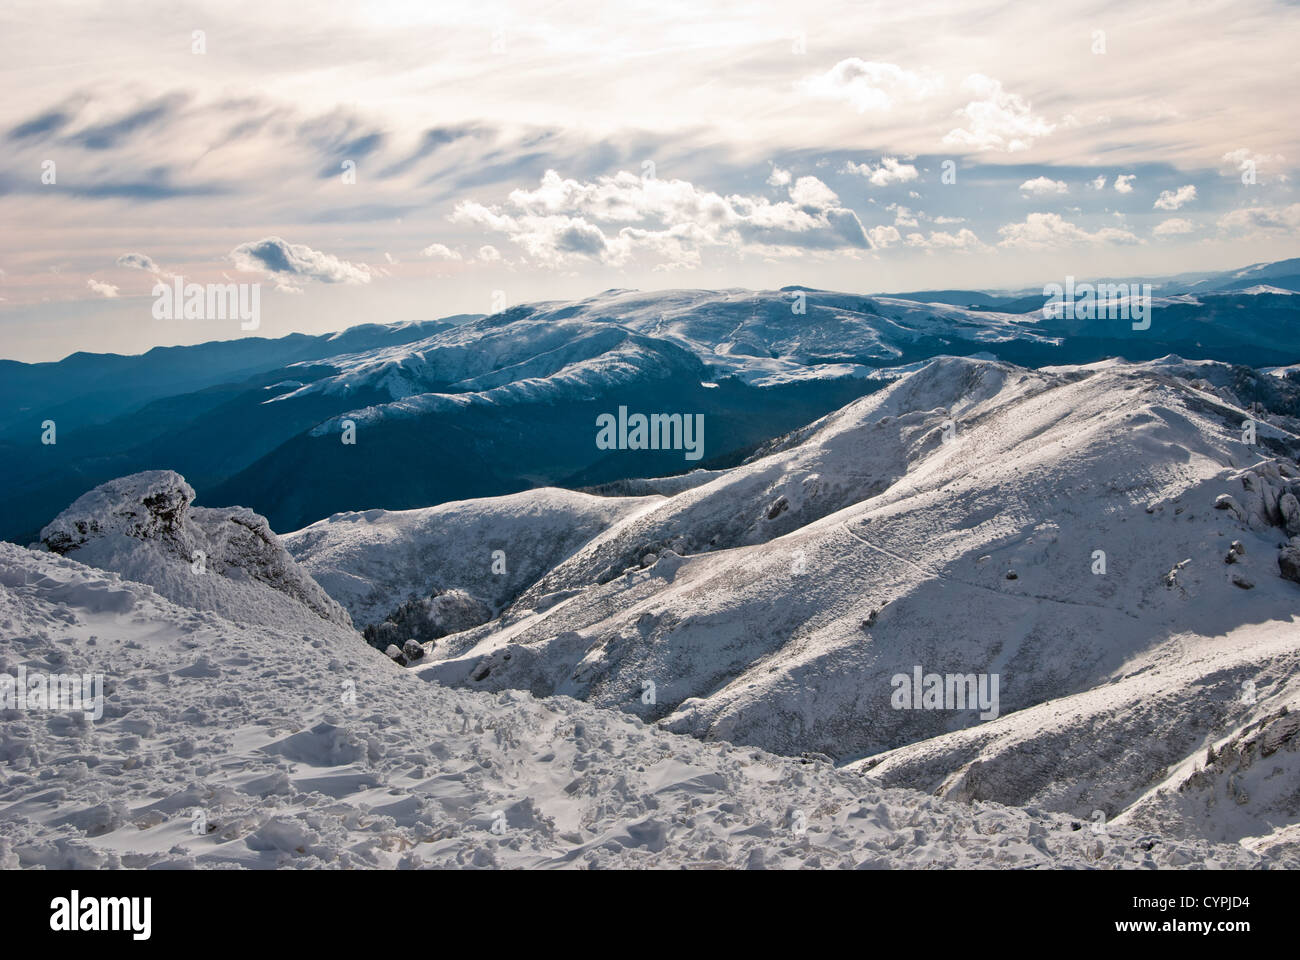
x: 479, y: 406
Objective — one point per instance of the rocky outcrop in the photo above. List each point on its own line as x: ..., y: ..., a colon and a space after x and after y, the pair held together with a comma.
x: 1288, y: 560
x: 1270, y: 497
x: 425, y: 619
x: 145, y: 527
x: 144, y: 506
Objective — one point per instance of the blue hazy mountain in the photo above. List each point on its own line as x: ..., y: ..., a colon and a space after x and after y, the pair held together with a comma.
x: 490, y: 405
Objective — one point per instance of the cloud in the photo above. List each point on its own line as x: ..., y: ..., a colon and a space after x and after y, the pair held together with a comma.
x: 884, y: 236
x: 963, y: 241
x: 1124, y: 182
x: 295, y: 261
x: 779, y: 178
x: 1042, y: 186
x: 139, y: 261
x: 1041, y: 231
x: 871, y: 85
x: 1173, y: 199
x: 106, y: 136
x: 106, y: 290
x: 614, y: 219
x: 488, y: 253
x: 1260, y: 222
x: 811, y: 193
x: 440, y: 251
x: 1243, y: 160
x: 1172, y: 227
x: 903, y: 216
x: 48, y: 122
x: 891, y: 170
x: 1098, y: 184
x: 996, y: 120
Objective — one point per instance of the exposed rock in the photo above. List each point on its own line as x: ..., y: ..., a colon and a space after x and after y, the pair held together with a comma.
x: 144, y: 506
x: 1288, y: 562
x: 144, y: 527
x: 1262, y: 487
x: 1171, y: 578
x: 425, y: 619
x: 1226, y: 501
x: 413, y: 651
x: 1289, y: 507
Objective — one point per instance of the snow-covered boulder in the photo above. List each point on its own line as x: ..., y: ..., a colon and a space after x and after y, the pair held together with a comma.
x: 1261, y: 497
x: 1226, y: 501
x: 144, y: 527
x: 143, y: 506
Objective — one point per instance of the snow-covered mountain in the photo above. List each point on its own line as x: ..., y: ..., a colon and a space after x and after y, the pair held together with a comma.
x: 259, y: 733
x: 371, y: 561
x: 1100, y: 538
x: 596, y: 638
x: 495, y: 405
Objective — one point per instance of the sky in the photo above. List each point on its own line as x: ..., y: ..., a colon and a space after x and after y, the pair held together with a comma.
x: 393, y: 161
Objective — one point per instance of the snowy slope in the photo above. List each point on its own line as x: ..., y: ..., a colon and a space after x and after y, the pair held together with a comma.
x: 274, y: 744
x: 773, y: 604
x: 373, y: 560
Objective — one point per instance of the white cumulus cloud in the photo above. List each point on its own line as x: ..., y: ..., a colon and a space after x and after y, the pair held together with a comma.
x: 871, y: 85
x: 996, y: 120
x: 290, y: 262
x: 890, y: 170
x: 1173, y: 199
x: 440, y: 251
x: 1042, y: 186
x: 1040, y: 231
